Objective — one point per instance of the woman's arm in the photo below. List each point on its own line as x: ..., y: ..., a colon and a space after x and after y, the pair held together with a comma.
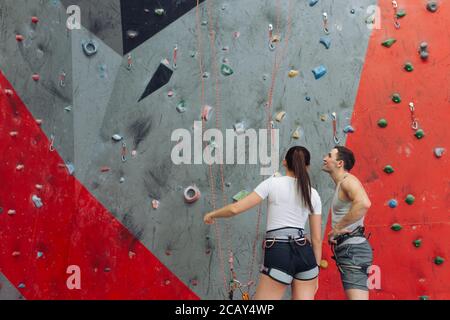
x: 234, y: 209
x: 315, y: 225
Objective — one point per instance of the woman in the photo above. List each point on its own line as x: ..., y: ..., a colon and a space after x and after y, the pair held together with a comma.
x: 289, y: 258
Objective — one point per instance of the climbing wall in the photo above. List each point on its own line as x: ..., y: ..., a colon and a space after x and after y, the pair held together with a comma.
x: 402, y: 165
x: 87, y: 116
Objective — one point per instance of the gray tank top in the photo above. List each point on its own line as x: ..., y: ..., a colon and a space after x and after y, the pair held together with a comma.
x: 339, y: 209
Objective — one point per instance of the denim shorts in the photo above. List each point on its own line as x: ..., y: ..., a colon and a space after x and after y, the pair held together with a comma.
x: 353, y: 261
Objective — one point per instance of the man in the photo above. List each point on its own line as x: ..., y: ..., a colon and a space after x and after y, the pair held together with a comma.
x: 352, y: 251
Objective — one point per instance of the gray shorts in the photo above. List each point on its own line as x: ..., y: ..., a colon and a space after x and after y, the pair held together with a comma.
x: 353, y: 260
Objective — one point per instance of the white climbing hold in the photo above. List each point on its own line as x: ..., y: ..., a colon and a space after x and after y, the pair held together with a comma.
x: 11, y: 212
x: 155, y: 204
x: 117, y: 137
x: 439, y: 152
x: 37, y: 201
x: 239, y: 128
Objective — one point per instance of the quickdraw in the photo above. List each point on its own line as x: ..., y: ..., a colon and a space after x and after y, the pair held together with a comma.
x: 395, y: 6
x: 414, y: 122
x: 335, y: 137
x: 52, y: 141
x: 175, y: 50
x: 325, y: 23
x: 62, y: 79
x: 124, y: 152
x: 130, y: 62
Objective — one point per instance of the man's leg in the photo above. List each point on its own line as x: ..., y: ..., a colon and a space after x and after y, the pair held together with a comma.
x: 357, y: 294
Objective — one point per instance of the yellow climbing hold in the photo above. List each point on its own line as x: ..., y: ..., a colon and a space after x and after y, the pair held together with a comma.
x: 323, y: 264
x: 293, y: 73
x: 280, y: 116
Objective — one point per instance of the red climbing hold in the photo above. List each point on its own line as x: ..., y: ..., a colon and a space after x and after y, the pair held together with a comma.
x: 35, y: 77
x: 19, y: 37
x: 105, y: 169
x: 34, y: 19
x: 9, y: 92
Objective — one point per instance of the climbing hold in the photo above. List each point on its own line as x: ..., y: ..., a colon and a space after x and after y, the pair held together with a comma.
x: 37, y: 201
x: 240, y: 195
x: 307, y: 98
x: 396, y: 98
x: 170, y: 93
x: 34, y: 20
x: 16, y: 254
x: 107, y: 269
x: 89, y: 47
x: 39, y: 186
x: 439, y: 260
x: 35, y: 77
x: 122, y: 180
x: 401, y: 13
x: 319, y: 72
x: 168, y: 252
x: 194, y: 282
x: 206, y: 112
x: 11, y: 212
x: 226, y: 70
x: 19, y: 38
x: 280, y: 116
x: 296, y: 134
x: 105, y: 169
x: 131, y: 254
x: 159, y: 11
x: 132, y: 34
x: 392, y: 203
x: 71, y: 168
x: 205, y: 75
x: 9, y: 92
x: 293, y: 73
x: 423, y: 50
x: 313, y: 2
x: 155, y: 204
x: 409, y: 67
x: 326, y: 41
x: 181, y: 107
x: 38, y: 122
x: 424, y: 298
x: 349, y: 129
x: 323, y: 264
x: 439, y: 152
x: 191, y: 194
x: 389, y: 42
x: 239, y: 128
x: 382, y: 123
x: 352, y: 11
x: 13, y: 133
x: 39, y: 254
x: 396, y: 227
x: 410, y: 199
x: 432, y: 6
x: 20, y: 167
x: 417, y: 243
x: 388, y: 169
x: 21, y: 286
x: 419, y: 134
x: 117, y: 137
x: 68, y: 108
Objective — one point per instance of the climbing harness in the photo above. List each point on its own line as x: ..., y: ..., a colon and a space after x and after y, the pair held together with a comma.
x: 414, y: 122
x: 334, y: 119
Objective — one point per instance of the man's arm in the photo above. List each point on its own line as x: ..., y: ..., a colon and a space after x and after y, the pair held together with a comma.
x: 360, y: 202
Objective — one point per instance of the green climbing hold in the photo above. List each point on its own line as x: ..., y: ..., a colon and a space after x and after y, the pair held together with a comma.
x: 389, y: 42
x: 419, y: 134
x: 410, y: 199
x: 439, y: 260
x: 401, y: 13
x: 240, y: 195
x: 226, y: 70
x: 382, y: 123
x: 417, y: 243
x: 409, y: 67
x: 396, y: 227
x: 396, y: 98
x: 424, y: 298
x: 388, y: 169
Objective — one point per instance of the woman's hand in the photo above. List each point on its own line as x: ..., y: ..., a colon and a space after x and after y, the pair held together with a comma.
x: 208, y: 218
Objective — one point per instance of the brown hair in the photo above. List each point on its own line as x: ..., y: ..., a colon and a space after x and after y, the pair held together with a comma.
x: 297, y: 159
x: 346, y: 155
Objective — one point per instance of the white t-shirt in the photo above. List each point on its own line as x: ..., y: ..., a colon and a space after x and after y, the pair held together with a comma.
x: 286, y: 207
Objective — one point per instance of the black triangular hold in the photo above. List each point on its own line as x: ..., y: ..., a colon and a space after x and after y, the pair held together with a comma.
x: 159, y: 79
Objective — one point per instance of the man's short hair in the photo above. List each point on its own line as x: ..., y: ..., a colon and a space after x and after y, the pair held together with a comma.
x: 346, y: 155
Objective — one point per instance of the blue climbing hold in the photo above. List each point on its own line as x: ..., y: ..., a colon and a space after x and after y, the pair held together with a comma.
x: 326, y: 41
x: 21, y: 285
x: 319, y: 72
x: 307, y: 98
x: 393, y: 203
x: 39, y: 254
x: 313, y: 2
x: 349, y: 129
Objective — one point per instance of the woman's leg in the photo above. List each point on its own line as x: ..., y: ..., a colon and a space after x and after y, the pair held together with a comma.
x: 304, y: 289
x: 269, y: 289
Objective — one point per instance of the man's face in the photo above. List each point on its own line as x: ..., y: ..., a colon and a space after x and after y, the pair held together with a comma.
x: 330, y: 162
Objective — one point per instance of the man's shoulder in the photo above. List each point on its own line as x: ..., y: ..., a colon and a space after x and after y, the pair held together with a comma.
x: 351, y: 182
